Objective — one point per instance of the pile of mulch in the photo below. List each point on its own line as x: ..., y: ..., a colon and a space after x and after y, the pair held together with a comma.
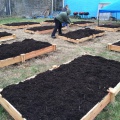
x: 49, y: 21
x: 66, y: 93
x: 82, y: 22
x: 117, y: 43
x: 21, y: 23
x: 110, y: 26
x: 81, y: 33
x: 17, y: 48
x: 41, y: 28
x: 3, y: 34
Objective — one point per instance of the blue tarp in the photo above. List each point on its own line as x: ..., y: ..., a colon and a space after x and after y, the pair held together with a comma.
x: 113, y: 8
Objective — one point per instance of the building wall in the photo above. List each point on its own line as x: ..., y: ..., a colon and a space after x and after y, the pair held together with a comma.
x: 90, y: 6
x: 2, y: 8
x: 25, y: 7
x: 31, y: 8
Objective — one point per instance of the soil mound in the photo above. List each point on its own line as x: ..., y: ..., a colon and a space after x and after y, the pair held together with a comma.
x: 21, y: 23
x: 3, y: 34
x: 81, y: 33
x: 17, y: 48
x: 41, y: 28
x: 66, y: 93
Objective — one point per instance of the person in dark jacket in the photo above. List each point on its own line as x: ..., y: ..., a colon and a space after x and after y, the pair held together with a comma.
x: 65, y: 8
x: 63, y: 17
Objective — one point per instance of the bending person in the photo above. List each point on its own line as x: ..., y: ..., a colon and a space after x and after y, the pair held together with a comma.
x: 63, y: 17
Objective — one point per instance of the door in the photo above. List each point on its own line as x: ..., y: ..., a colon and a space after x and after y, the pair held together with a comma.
x: 103, y: 16
x: 57, y: 5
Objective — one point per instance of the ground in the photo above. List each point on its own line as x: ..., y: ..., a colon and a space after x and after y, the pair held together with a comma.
x: 65, y: 52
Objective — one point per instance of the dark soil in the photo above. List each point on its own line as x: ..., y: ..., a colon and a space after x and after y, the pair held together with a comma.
x: 41, y: 28
x: 110, y: 26
x: 21, y: 23
x: 82, y: 22
x: 49, y: 21
x: 17, y: 48
x: 66, y: 93
x: 3, y: 34
x: 117, y: 43
x: 81, y: 33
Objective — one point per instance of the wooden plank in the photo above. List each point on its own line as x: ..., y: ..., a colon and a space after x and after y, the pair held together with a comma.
x: 10, y: 61
x: 33, y: 25
x: 97, y: 108
x: 40, y: 52
x: 81, y: 25
x: 75, y: 41
x: 39, y: 32
x: 47, y: 23
x: 12, y: 27
x: 29, y: 31
x: 115, y: 90
x: 113, y: 47
x: 98, y: 35
x: 10, y: 109
x: 19, y: 27
x: 5, y: 38
x: 26, y: 56
x: 107, y: 29
x: 101, y: 105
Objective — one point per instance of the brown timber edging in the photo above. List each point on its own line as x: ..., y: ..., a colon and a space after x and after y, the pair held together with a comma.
x: 81, y: 25
x: 113, y: 47
x: 107, y: 29
x: 39, y: 32
x: 5, y: 38
x: 82, y: 39
x: 18, y: 27
x: 23, y: 57
x: 47, y: 23
x: 110, y: 97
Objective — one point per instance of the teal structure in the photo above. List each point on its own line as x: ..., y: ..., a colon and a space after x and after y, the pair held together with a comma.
x: 90, y: 6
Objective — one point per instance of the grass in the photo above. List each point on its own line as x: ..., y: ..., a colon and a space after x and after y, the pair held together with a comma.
x: 66, y: 51
x: 19, y: 19
x: 111, y: 112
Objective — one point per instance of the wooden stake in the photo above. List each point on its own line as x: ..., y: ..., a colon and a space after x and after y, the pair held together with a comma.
x: 23, y: 57
x: 109, y: 46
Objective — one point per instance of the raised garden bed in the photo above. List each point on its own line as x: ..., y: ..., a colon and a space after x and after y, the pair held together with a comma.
x: 81, y: 35
x: 4, y: 36
x: 114, y: 46
x: 40, y: 30
x: 82, y: 23
x: 73, y: 91
x: 49, y: 22
x: 112, y: 28
x: 20, y: 25
x: 21, y: 51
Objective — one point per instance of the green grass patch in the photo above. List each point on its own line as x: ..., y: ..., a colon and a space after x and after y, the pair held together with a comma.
x: 111, y: 112
x: 19, y: 19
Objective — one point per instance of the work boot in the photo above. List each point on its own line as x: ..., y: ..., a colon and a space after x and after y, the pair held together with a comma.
x: 53, y: 37
x: 60, y: 34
